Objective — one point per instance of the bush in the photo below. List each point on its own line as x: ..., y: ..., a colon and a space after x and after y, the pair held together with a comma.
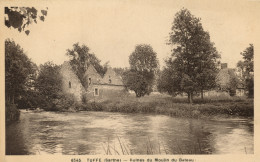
x: 30, y: 99
x: 177, y: 107
x: 61, y: 103
x: 11, y: 112
x: 64, y: 102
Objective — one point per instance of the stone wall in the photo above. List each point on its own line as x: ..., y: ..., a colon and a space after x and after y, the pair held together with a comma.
x: 112, y: 78
x: 92, y: 76
x: 104, y: 92
x: 98, y: 88
x: 71, y: 84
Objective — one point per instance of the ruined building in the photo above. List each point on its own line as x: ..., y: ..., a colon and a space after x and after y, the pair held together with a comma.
x: 97, y: 88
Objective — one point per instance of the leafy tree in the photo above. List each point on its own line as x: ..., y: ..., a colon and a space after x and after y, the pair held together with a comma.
x: 194, y: 58
x: 21, y: 17
x: 143, y: 67
x: 135, y: 81
x: 168, y: 79
x: 80, y: 59
x: 19, y: 78
x: 20, y: 72
x: 120, y: 71
x: 49, y: 81
x: 30, y: 98
x: 247, y: 69
x: 49, y: 87
x: 144, y: 59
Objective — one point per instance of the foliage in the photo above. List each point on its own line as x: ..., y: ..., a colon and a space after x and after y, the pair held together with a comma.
x: 143, y: 67
x: 30, y: 99
x: 11, y: 112
x: 177, y: 107
x: 136, y: 81
x: 226, y: 80
x: 247, y: 69
x: 20, y: 72
x: 49, y: 80
x: 80, y: 59
x: 49, y: 86
x: 143, y: 59
x: 64, y: 102
x: 21, y: 17
x: 194, y: 59
x: 168, y: 79
x: 120, y: 71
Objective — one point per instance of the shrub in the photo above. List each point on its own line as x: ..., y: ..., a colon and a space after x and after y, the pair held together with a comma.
x: 11, y: 112
x: 64, y: 102
x: 177, y: 107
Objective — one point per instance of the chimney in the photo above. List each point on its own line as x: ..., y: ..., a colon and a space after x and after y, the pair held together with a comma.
x: 223, y: 65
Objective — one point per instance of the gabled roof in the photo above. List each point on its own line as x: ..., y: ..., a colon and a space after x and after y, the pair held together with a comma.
x: 92, y: 73
x: 111, y: 78
x: 224, y: 75
x: 91, y: 70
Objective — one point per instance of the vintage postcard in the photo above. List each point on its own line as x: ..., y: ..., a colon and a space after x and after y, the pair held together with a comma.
x: 129, y: 81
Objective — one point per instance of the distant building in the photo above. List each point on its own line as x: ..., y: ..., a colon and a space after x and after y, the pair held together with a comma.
x: 95, y: 88
x: 225, y: 85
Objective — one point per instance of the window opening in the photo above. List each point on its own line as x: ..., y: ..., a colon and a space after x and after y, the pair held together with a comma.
x: 96, y: 93
x: 69, y: 84
x: 89, y: 81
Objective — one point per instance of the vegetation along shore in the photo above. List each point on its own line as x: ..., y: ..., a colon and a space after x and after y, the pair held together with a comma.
x: 176, y: 107
x: 193, y: 83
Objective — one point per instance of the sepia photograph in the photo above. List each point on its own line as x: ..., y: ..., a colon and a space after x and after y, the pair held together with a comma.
x: 129, y: 77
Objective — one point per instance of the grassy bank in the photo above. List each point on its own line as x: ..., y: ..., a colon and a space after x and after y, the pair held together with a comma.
x: 178, y: 107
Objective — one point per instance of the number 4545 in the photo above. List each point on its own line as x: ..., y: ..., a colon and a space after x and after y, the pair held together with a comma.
x: 75, y: 160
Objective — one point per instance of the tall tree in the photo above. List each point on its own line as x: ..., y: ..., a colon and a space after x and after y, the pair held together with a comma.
x: 50, y: 91
x: 136, y: 82
x: 20, y: 72
x: 194, y: 57
x: 21, y: 17
x: 169, y: 80
x: 80, y: 59
x: 144, y: 59
x: 49, y: 80
x: 247, y: 69
x: 143, y: 67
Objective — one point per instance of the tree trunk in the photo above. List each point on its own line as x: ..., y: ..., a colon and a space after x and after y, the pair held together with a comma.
x: 190, y: 97
x: 202, y: 94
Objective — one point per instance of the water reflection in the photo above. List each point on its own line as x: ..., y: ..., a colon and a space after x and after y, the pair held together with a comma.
x: 118, y: 133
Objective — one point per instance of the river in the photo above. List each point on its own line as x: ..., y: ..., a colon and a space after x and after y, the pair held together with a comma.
x: 92, y: 133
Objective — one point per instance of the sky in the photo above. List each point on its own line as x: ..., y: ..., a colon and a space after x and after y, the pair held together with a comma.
x: 112, y: 29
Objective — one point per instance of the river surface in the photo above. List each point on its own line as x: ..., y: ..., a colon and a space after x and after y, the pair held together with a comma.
x: 119, y: 133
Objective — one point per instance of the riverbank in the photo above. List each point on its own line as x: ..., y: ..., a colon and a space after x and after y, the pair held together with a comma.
x: 177, y: 107
x: 12, y: 113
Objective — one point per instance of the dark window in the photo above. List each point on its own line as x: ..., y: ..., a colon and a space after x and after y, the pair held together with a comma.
x: 69, y: 84
x: 89, y: 81
x: 96, y: 92
x: 110, y: 81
